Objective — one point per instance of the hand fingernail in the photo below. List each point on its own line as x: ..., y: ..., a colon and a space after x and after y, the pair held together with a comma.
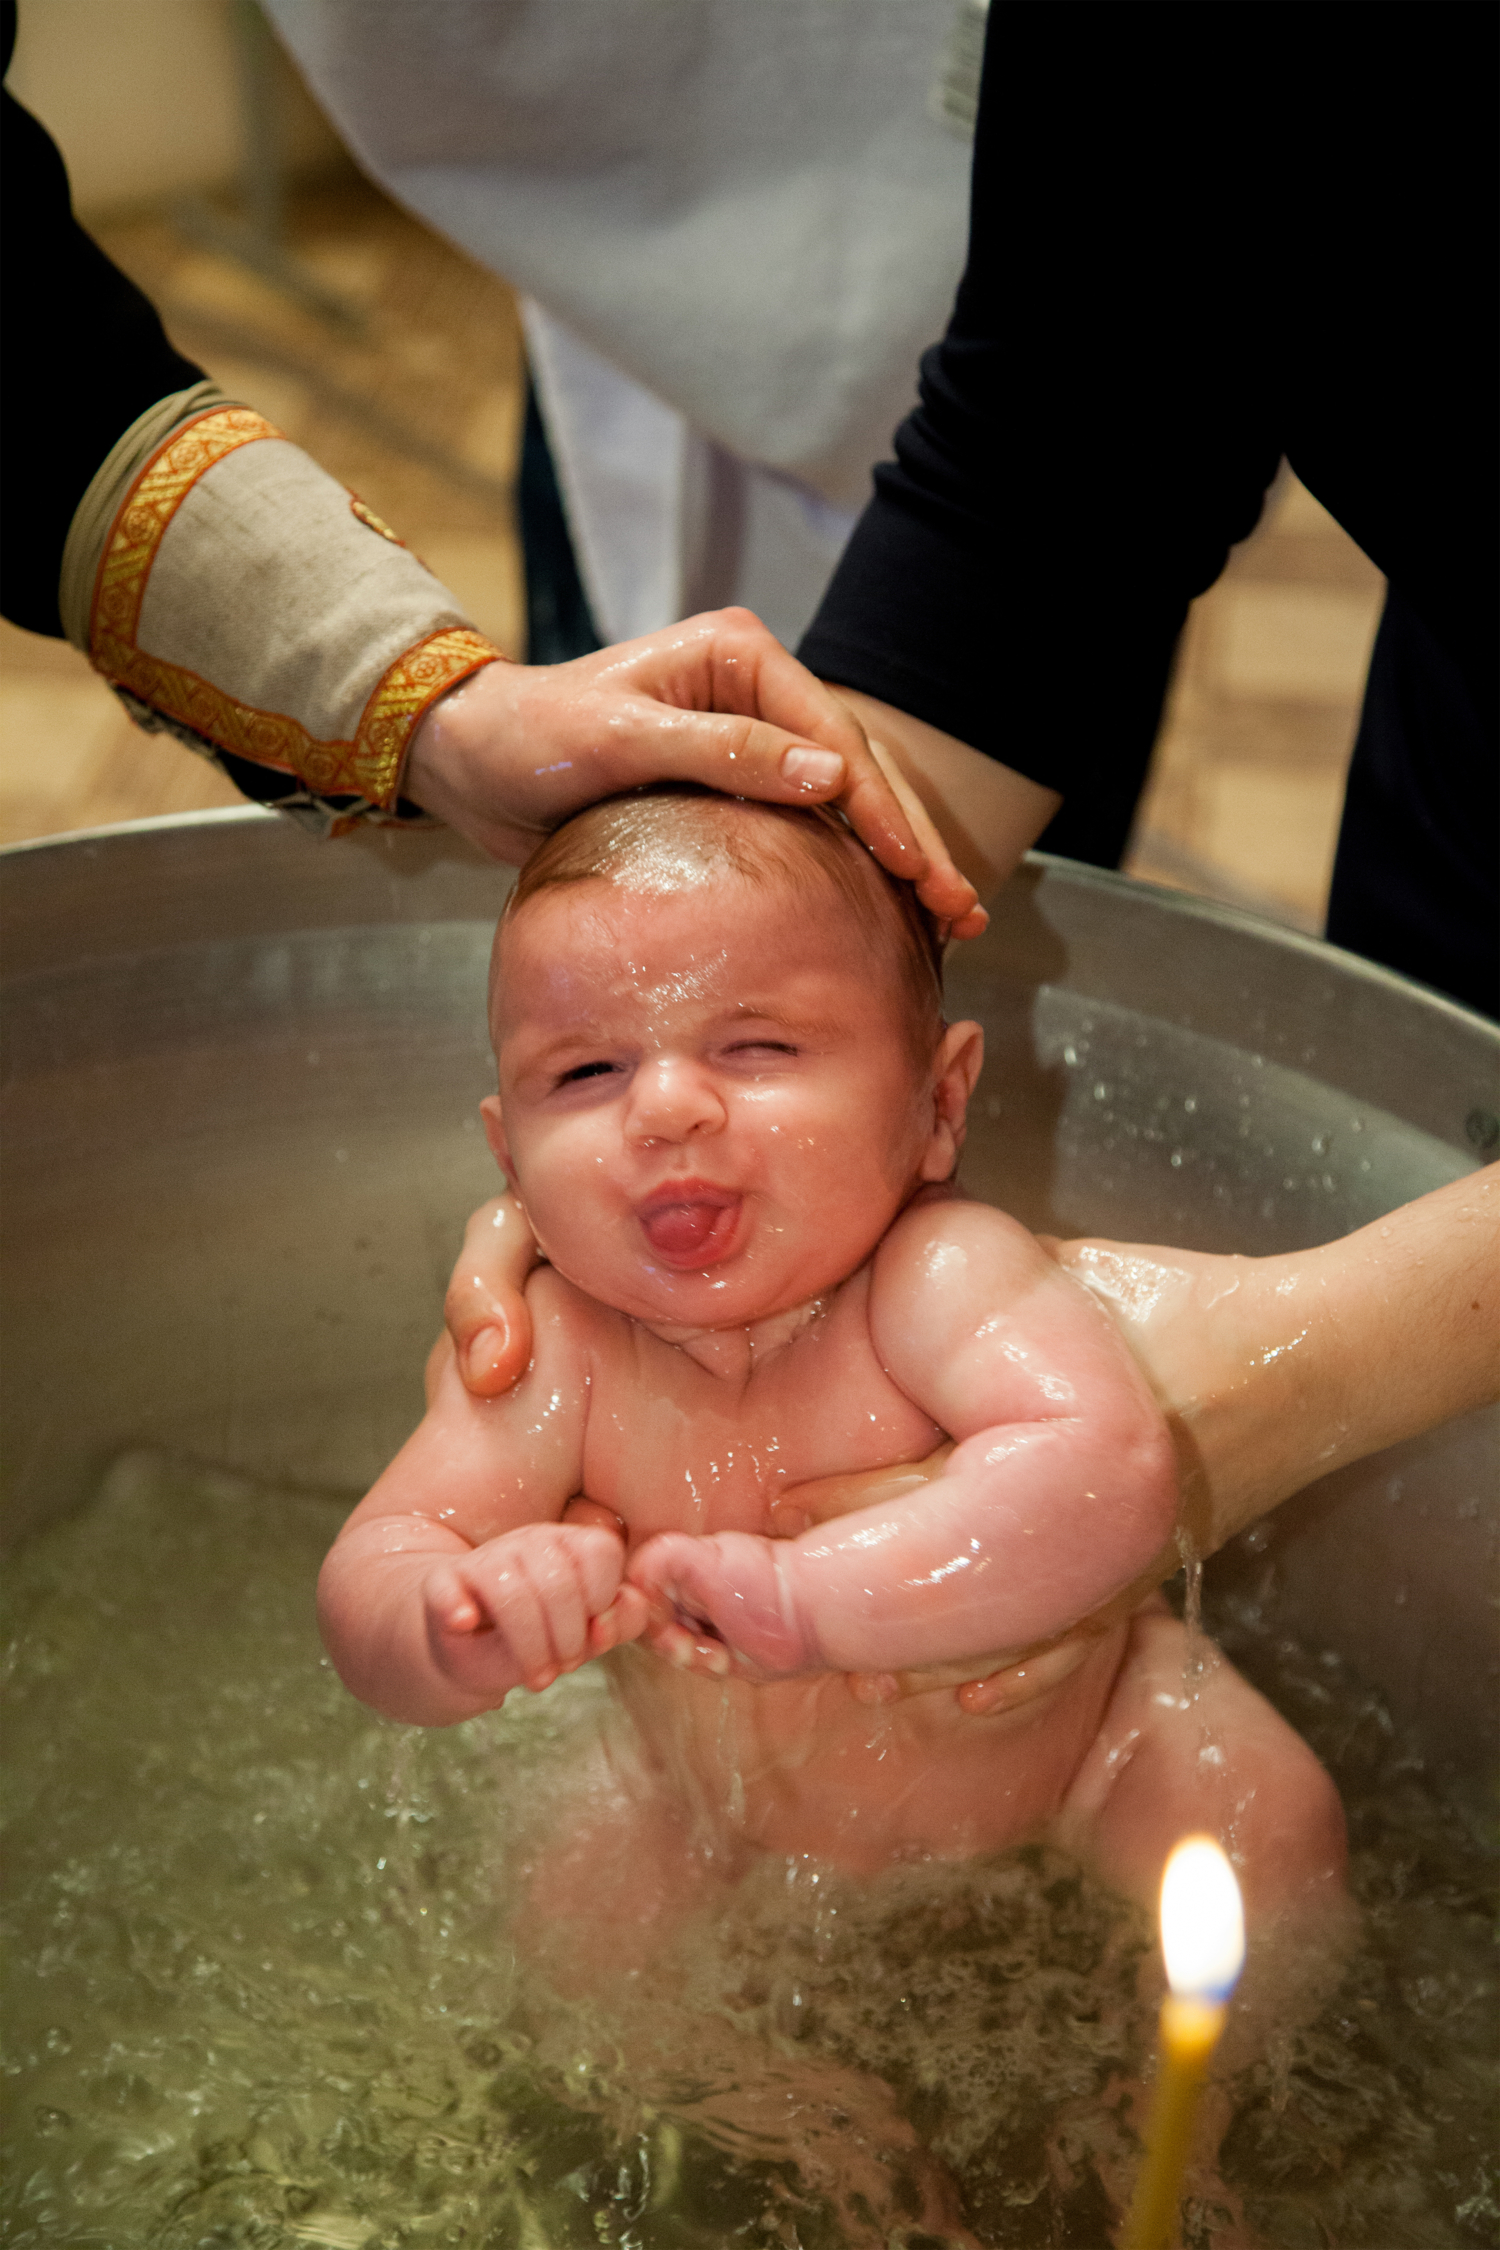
x: 486, y: 1352
x: 812, y: 769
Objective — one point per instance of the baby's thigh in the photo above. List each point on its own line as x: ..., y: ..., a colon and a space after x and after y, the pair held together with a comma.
x: 1175, y: 1757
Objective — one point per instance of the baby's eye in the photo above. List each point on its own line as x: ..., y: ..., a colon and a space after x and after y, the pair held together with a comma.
x: 585, y: 1070
x: 750, y: 1048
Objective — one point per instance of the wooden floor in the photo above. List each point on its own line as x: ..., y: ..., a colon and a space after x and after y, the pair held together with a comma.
x: 418, y: 409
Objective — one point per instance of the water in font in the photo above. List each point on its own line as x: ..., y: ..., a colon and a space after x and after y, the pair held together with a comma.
x: 269, y: 1978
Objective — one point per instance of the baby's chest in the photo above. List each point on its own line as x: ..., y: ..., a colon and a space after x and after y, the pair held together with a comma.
x: 673, y: 1450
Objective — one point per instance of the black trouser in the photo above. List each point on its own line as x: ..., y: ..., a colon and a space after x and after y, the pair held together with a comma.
x: 1415, y: 876
x: 559, y: 623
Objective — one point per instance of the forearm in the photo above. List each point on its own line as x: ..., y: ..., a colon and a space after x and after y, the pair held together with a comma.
x: 988, y: 815
x: 1029, y: 1527
x: 373, y: 1617
x: 1274, y: 1371
x: 1027, y: 1530
x: 238, y: 597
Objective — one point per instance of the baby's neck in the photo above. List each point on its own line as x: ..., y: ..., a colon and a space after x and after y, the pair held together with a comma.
x: 734, y: 1354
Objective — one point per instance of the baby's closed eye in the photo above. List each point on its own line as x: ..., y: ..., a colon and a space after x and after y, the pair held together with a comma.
x: 581, y: 1071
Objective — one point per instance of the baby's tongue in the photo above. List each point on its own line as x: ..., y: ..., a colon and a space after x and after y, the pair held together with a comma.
x: 678, y: 1229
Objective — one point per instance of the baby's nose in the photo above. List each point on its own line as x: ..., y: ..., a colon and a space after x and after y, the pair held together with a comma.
x: 671, y: 1100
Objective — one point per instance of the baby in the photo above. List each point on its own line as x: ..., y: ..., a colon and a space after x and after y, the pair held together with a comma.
x: 725, y: 1081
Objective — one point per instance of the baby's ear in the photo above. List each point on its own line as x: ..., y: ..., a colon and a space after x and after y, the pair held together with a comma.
x: 955, y: 1074
x: 494, y: 1133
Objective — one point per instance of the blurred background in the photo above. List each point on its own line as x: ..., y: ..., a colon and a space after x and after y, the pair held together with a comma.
x: 202, y: 165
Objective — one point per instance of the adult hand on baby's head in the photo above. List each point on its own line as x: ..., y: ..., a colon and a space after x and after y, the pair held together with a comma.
x: 516, y: 748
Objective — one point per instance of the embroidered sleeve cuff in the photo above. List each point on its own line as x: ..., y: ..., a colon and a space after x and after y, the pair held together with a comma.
x: 219, y: 578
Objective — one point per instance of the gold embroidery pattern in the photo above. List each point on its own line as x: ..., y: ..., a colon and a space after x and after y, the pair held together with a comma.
x: 367, y: 516
x: 149, y: 506
x: 370, y: 765
x: 403, y: 694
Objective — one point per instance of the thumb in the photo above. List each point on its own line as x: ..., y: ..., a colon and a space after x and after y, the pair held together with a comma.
x: 485, y: 1307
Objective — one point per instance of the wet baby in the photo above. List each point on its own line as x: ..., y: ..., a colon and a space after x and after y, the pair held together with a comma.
x: 725, y: 1082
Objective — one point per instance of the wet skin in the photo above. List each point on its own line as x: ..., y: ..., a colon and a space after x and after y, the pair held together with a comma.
x: 717, y: 1122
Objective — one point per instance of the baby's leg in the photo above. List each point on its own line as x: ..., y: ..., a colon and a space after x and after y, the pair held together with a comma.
x: 1173, y: 1757
x: 622, y: 1895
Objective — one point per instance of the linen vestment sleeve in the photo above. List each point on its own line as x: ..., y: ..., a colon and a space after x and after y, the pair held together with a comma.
x: 231, y: 592
x: 1201, y: 238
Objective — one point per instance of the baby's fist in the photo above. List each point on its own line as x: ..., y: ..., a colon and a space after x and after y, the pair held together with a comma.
x: 524, y: 1608
x: 721, y: 1601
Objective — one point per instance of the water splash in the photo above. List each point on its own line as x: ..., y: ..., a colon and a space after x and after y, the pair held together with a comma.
x: 265, y: 1988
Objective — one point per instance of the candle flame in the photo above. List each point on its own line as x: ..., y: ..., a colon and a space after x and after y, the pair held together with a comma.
x: 1202, y: 1920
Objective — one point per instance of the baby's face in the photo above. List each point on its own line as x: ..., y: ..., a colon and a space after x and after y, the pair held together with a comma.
x: 709, y: 1103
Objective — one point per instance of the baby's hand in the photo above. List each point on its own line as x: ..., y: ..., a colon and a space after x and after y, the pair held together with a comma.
x: 722, y: 1603
x: 524, y: 1608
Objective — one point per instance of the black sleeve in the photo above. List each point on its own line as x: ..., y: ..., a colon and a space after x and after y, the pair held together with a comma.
x: 1201, y: 238
x: 85, y: 353
x: 1081, y: 458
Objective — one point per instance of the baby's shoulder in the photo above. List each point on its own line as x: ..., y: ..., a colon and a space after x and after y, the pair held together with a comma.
x: 943, y: 1265
x: 945, y: 1244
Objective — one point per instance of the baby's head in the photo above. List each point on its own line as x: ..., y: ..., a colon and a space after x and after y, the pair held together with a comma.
x: 723, y: 1061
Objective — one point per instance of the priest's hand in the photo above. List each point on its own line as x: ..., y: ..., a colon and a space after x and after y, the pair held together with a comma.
x: 515, y: 749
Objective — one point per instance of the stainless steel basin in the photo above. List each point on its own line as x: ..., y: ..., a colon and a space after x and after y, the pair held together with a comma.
x: 240, y: 1093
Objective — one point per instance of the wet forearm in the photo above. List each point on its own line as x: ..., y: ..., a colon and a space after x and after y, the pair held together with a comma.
x: 1274, y: 1371
x: 373, y: 1619
x: 1349, y: 1348
x: 1027, y: 1530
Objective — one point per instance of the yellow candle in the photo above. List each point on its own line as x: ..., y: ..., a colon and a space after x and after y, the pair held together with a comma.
x: 1203, y: 1939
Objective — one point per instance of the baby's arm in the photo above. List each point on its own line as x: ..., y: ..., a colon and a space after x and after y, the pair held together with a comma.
x: 1061, y: 1487
x: 454, y: 1581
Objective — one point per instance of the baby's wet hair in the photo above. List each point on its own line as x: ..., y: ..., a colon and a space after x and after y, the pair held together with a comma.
x: 676, y: 834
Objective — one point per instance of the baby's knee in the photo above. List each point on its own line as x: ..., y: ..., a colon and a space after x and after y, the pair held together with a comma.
x: 1294, y: 1841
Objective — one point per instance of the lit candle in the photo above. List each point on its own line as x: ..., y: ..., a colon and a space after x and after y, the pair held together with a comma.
x: 1203, y: 1939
